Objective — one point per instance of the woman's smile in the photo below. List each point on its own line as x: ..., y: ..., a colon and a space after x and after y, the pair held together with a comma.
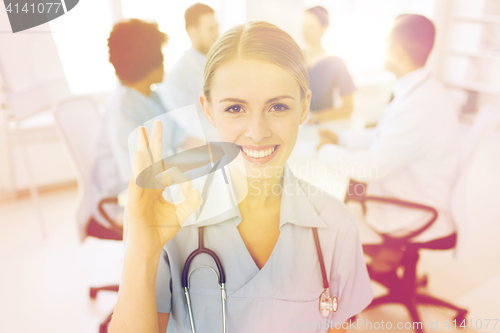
x: 259, y: 154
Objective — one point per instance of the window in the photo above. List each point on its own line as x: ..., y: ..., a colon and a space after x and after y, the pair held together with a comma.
x: 359, y: 28
x: 170, y: 18
x: 81, y: 38
x: 357, y: 33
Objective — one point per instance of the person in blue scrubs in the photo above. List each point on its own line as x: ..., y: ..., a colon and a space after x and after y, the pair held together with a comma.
x: 328, y: 75
x: 256, y: 94
x: 135, y: 53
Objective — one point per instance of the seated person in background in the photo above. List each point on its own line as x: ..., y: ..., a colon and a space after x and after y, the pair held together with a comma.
x: 184, y: 83
x: 135, y: 53
x: 412, y: 154
x: 327, y: 73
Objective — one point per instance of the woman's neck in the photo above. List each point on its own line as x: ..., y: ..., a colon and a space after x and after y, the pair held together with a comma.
x: 263, y: 192
x: 257, y: 193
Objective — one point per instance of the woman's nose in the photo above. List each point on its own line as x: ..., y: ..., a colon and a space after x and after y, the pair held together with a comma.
x: 258, y: 128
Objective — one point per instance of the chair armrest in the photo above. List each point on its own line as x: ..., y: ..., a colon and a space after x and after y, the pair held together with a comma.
x: 353, y: 193
x: 362, y: 198
x: 108, y: 201
x: 411, y: 205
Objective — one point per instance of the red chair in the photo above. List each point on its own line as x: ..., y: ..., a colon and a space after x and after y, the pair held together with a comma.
x: 404, y: 289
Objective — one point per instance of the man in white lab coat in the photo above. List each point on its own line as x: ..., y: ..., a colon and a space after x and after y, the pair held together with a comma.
x: 412, y: 154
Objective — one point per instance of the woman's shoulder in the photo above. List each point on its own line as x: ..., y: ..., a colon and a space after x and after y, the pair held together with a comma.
x: 329, y: 208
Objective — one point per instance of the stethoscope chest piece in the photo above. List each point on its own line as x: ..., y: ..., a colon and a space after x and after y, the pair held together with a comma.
x: 327, y: 304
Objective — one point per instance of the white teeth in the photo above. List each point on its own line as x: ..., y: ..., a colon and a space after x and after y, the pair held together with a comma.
x: 258, y: 153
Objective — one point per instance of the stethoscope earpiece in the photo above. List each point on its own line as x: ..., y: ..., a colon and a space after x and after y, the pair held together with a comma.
x: 327, y: 304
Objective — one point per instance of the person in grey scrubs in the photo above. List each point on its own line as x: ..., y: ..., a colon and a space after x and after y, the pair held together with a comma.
x: 256, y: 94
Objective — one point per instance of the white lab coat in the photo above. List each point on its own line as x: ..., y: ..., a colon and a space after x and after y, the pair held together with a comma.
x: 411, y: 155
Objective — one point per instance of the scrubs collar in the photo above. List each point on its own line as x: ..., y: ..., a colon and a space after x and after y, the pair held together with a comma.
x: 296, y: 208
x: 221, y: 204
x: 199, y: 57
x: 139, y: 96
x: 406, y: 82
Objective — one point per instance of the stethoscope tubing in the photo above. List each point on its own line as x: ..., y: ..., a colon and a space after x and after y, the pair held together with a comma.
x: 186, y: 273
x: 201, y: 249
x: 221, y: 277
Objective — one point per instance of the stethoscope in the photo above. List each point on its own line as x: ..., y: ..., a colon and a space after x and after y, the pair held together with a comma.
x: 327, y: 304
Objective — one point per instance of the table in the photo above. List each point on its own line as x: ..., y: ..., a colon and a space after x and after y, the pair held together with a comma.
x: 306, y: 165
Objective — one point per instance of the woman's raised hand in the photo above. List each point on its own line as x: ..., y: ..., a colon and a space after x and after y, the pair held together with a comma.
x: 151, y: 220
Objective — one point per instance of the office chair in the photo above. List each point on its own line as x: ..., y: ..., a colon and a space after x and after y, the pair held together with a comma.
x: 402, y: 289
x: 79, y: 124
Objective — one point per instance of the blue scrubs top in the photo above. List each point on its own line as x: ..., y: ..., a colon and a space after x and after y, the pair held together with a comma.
x: 325, y: 76
x: 126, y: 109
x: 283, y: 296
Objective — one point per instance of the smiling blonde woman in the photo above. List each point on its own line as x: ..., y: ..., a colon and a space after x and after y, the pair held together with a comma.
x: 256, y: 95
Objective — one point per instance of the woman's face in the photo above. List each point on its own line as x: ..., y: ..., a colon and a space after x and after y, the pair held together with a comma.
x: 257, y: 106
x: 312, y: 31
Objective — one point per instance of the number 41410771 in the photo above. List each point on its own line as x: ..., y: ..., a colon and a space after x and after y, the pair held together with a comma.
x: 478, y: 323
x: 41, y: 8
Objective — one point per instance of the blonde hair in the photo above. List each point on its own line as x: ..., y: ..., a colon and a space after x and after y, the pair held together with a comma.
x: 260, y: 41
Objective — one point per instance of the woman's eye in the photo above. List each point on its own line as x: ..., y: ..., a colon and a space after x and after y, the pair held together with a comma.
x: 234, y: 109
x: 279, y: 107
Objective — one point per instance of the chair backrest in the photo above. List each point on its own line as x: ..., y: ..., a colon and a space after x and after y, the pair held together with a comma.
x: 356, y: 191
x: 485, y: 122
x: 80, y: 125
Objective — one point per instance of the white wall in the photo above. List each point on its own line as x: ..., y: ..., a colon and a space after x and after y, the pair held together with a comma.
x: 45, y: 158
x: 286, y: 14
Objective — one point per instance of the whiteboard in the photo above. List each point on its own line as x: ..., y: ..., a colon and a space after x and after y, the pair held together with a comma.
x: 31, y: 69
